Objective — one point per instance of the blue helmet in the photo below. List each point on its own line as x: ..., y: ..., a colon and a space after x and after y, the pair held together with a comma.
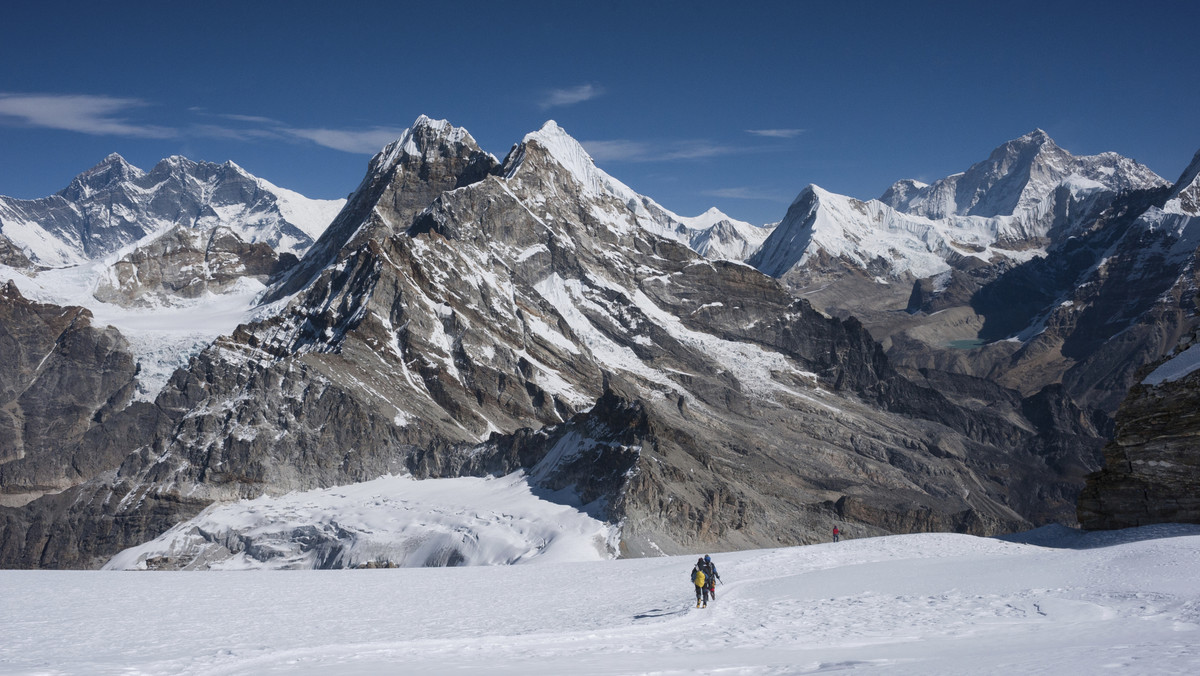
x: 706, y: 558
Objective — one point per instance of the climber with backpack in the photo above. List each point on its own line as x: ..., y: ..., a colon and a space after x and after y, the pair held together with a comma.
x: 711, y: 576
x: 700, y: 580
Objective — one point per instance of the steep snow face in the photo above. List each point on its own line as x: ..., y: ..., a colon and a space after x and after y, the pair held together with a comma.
x: 114, y: 205
x: 1178, y: 219
x: 571, y: 155
x: 310, y: 215
x: 1176, y: 368
x: 1185, y: 195
x: 877, y: 238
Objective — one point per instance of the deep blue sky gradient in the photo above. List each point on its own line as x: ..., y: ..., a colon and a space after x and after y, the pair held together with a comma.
x: 881, y: 91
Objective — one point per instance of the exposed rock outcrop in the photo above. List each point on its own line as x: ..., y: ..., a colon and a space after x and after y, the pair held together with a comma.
x: 60, y: 378
x: 1151, y: 468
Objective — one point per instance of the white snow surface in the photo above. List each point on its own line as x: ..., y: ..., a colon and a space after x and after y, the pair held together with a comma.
x: 1177, y: 367
x: 312, y: 216
x: 1074, y: 603
x: 867, y: 232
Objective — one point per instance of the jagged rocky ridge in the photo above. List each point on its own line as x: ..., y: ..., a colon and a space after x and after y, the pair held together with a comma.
x: 462, y: 314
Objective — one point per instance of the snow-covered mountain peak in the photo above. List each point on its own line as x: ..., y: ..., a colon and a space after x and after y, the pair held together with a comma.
x: 110, y: 171
x: 1185, y: 196
x: 874, y: 237
x: 1036, y: 138
x: 707, y: 219
x: 173, y: 165
x: 903, y: 191
x: 426, y: 138
x: 571, y: 155
x: 115, y: 204
x: 1021, y: 179
x: 807, y: 195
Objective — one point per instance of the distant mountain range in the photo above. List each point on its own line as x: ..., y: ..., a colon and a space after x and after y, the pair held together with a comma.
x: 463, y: 315
x: 115, y: 205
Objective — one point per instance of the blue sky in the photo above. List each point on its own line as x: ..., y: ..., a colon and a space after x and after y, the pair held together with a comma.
x: 695, y: 104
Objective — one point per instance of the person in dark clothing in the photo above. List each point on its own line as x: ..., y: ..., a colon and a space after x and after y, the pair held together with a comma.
x: 711, y: 576
x: 700, y: 580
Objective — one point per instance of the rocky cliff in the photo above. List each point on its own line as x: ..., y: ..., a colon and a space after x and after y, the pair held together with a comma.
x: 1151, y: 470
x: 60, y: 379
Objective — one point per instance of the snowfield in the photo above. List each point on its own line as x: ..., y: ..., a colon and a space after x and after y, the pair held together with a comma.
x: 1057, y: 602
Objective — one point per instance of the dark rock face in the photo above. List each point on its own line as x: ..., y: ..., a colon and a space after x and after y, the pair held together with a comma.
x: 402, y: 180
x: 85, y: 525
x: 60, y: 378
x: 11, y: 255
x: 1151, y: 468
x: 1110, y: 301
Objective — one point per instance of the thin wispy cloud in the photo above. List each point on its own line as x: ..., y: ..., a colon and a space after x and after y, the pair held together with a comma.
x: 257, y: 119
x: 619, y: 150
x: 746, y: 193
x: 82, y: 113
x: 776, y: 133
x: 364, y: 141
x: 694, y: 150
x: 625, y: 150
x: 101, y: 115
x: 570, y: 96
x: 233, y: 133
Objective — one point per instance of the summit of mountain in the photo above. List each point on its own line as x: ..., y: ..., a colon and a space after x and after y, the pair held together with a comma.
x: 1022, y: 178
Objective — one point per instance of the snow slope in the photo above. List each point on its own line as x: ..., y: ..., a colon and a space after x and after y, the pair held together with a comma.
x: 1123, y: 602
x: 1177, y: 368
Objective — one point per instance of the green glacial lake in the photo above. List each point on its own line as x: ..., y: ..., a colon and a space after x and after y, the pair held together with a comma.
x: 965, y: 344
